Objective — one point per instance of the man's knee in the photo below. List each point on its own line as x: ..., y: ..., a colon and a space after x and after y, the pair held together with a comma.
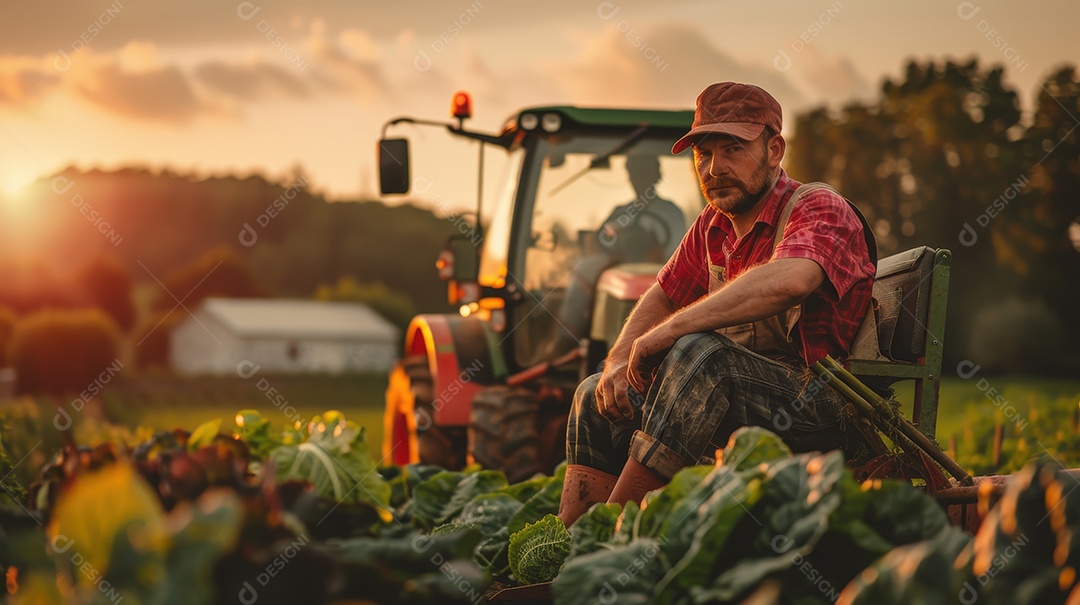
x: 584, y: 404
x: 691, y: 350
x: 584, y: 419
x: 690, y: 343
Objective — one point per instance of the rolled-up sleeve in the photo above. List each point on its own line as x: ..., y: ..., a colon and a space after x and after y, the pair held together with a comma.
x: 824, y: 229
x: 685, y: 277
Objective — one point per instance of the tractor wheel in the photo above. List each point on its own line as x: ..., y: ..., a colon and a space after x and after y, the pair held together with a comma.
x: 503, y: 431
x: 439, y: 445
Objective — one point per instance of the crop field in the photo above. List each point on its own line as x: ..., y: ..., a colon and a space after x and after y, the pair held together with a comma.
x: 165, y: 402
x: 1034, y: 413
x: 1037, y: 416
x: 315, y: 501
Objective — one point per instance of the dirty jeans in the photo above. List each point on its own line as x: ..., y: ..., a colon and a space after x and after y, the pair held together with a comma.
x: 706, y: 387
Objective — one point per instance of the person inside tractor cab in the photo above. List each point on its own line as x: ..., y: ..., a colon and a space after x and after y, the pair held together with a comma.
x: 648, y: 228
x: 726, y: 335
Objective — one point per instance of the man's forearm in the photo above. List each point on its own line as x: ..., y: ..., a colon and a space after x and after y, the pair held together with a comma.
x: 653, y: 308
x: 759, y: 293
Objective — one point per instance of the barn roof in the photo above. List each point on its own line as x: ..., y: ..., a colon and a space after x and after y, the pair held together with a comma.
x: 298, y: 319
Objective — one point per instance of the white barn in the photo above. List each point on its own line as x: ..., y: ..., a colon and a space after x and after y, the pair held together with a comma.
x: 282, y: 336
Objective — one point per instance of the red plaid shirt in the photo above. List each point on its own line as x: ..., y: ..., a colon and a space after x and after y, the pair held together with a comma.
x: 822, y: 228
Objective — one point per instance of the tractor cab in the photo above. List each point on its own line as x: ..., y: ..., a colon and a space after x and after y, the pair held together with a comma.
x: 592, y: 205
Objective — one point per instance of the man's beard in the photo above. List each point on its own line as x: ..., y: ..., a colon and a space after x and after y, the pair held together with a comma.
x: 747, y: 199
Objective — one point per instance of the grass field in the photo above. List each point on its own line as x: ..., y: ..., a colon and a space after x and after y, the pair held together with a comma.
x: 168, y: 401
x: 165, y: 402
x: 1033, y: 409
x: 1038, y: 415
x: 964, y: 400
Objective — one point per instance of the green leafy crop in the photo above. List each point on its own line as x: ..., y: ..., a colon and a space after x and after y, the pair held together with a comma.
x: 335, y: 459
x: 539, y: 549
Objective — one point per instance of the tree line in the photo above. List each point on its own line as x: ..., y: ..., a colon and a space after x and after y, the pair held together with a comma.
x: 945, y: 157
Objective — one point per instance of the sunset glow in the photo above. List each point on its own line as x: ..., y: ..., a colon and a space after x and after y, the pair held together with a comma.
x: 265, y: 87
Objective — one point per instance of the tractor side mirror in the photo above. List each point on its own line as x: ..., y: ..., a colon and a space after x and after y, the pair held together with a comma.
x: 394, y: 166
x: 459, y: 260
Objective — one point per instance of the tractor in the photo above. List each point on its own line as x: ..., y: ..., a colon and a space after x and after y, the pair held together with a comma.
x: 591, y: 207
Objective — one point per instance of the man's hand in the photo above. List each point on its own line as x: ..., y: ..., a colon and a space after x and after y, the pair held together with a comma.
x: 612, y: 397
x: 612, y: 392
x: 647, y: 353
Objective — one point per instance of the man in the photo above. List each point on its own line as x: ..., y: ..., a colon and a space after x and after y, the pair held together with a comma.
x: 646, y: 229
x: 725, y: 336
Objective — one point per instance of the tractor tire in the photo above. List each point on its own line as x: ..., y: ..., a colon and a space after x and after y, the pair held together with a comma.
x: 439, y: 445
x: 503, y: 432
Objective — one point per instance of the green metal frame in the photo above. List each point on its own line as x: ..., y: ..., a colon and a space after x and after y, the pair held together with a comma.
x: 620, y: 118
x: 927, y: 371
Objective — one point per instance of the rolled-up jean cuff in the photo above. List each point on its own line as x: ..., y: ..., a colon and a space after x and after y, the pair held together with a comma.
x: 655, y: 456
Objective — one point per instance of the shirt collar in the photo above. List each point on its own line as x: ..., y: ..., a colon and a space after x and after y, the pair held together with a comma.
x: 770, y: 211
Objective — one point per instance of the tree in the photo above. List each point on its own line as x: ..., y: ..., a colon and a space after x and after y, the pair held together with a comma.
x: 8, y: 320
x: 942, y: 159
x: 65, y: 352
x: 220, y: 272
x: 1037, y: 235
x: 106, y: 284
x: 153, y: 339
x: 394, y: 306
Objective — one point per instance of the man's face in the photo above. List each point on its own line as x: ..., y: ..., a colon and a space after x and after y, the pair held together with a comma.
x: 735, y: 174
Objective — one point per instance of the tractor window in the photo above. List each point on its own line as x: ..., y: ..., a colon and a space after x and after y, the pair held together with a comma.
x: 589, y: 215
x: 497, y: 237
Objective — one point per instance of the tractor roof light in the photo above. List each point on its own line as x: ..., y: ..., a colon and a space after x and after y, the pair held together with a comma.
x: 551, y: 122
x: 469, y: 309
x: 529, y: 121
x: 461, y: 105
x: 445, y: 265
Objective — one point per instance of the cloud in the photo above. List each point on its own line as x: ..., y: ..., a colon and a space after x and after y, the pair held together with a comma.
x: 131, y: 82
x: 348, y: 63
x: 660, y: 67
x: 250, y: 82
x: 161, y: 93
x: 830, y: 79
x: 24, y: 79
x: 135, y: 82
x: 663, y: 66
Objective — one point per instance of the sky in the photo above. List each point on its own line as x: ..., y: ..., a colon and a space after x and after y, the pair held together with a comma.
x: 219, y: 86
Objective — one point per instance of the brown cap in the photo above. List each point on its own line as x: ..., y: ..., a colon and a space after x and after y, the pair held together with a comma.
x: 739, y: 110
